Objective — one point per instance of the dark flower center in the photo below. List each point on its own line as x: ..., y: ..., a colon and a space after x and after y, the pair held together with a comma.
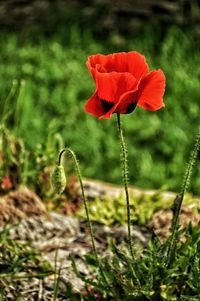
x: 107, y: 105
x: 131, y: 107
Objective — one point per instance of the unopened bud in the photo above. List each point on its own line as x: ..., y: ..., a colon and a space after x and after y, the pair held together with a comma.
x: 58, y: 179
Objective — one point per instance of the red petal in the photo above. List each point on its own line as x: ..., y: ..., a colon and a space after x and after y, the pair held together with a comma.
x: 109, y: 113
x: 132, y: 62
x: 138, y: 65
x: 94, y: 106
x: 111, y: 86
x: 97, y: 59
x: 127, y: 103
x: 151, y: 91
x: 96, y: 62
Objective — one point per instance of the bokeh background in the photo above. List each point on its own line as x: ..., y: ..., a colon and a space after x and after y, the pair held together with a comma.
x: 44, y: 83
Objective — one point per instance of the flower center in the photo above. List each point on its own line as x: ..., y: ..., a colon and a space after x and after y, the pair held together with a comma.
x: 131, y: 107
x: 107, y: 105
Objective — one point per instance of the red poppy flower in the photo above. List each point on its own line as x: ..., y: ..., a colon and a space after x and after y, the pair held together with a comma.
x: 123, y: 82
x: 6, y: 183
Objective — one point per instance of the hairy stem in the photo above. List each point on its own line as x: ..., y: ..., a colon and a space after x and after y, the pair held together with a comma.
x: 124, y: 155
x: 176, y: 208
x: 73, y: 155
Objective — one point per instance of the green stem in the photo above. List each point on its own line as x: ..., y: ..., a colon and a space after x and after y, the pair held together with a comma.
x: 125, y: 180
x: 86, y: 209
x: 176, y: 208
x: 6, y: 109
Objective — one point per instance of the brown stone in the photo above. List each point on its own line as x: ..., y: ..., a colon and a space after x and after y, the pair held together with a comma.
x: 20, y: 204
x: 160, y: 222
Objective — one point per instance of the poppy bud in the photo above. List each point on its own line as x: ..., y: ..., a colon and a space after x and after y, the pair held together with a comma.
x: 58, y: 179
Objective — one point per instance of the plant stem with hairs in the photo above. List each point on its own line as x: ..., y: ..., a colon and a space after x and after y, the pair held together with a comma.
x: 72, y: 154
x: 176, y: 208
x: 124, y: 155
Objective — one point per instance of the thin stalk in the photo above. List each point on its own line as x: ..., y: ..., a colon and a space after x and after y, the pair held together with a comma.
x: 72, y: 154
x: 5, y: 110
x: 176, y: 208
x: 124, y: 155
x: 18, y: 106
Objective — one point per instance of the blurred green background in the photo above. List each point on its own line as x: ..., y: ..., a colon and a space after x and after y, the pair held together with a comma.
x: 44, y: 85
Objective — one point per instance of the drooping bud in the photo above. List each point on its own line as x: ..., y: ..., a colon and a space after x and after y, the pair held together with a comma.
x: 58, y: 179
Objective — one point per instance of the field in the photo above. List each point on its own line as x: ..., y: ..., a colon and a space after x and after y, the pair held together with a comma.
x: 45, y: 85
x: 69, y: 238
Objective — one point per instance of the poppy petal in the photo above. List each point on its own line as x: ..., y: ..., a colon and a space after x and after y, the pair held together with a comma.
x: 95, y: 62
x: 94, y: 106
x: 151, y: 91
x: 109, y: 113
x: 132, y: 62
x: 136, y: 64
x: 111, y: 86
x: 128, y: 103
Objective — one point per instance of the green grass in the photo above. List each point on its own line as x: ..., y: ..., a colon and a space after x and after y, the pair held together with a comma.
x: 19, y: 260
x: 157, y: 278
x: 52, y: 85
x: 113, y: 211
